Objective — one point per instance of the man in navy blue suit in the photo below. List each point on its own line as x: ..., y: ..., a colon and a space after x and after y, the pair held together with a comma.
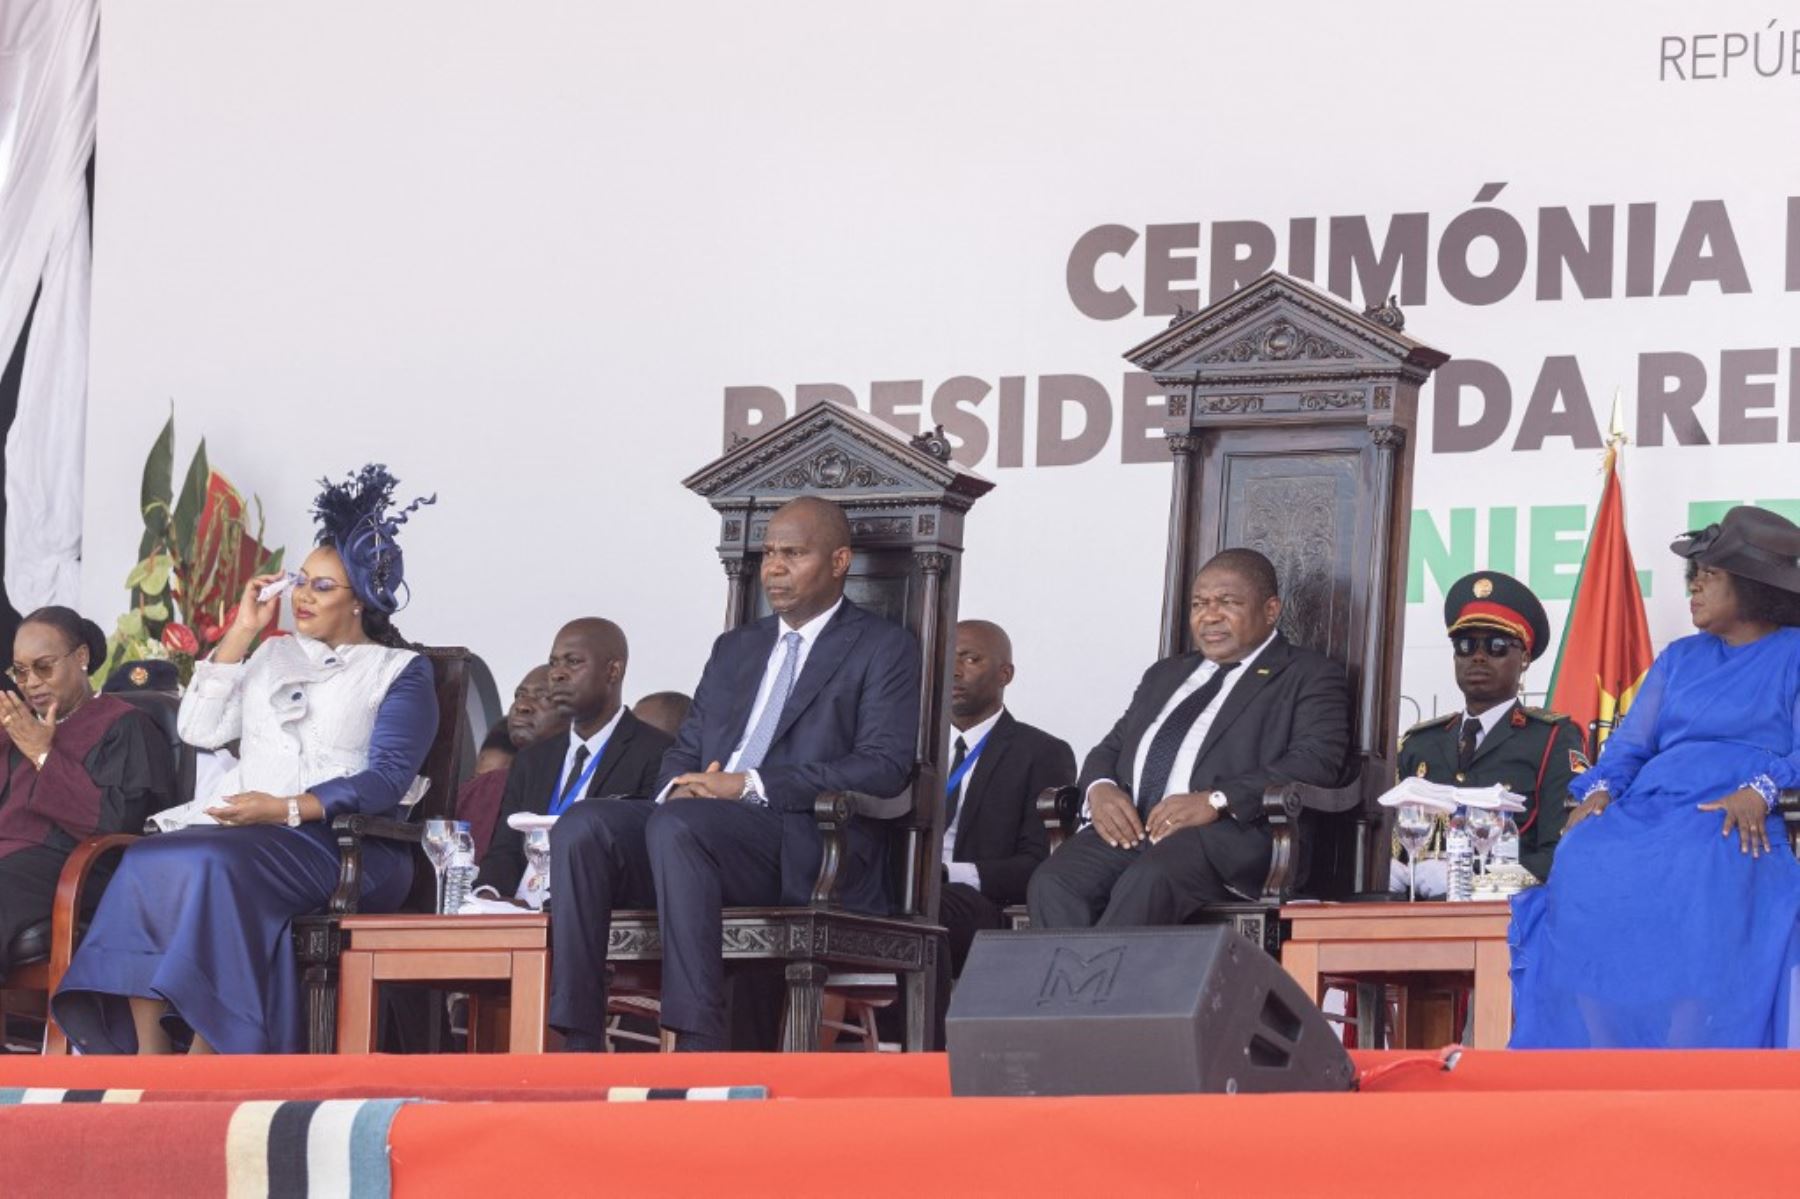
x: 821, y: 696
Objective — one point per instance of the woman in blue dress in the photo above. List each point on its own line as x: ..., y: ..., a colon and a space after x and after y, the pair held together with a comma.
x: 1672, y: 918
x: 193, y: 938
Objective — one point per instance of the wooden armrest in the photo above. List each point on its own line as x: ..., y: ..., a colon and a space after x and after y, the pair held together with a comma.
x: 382, y: 828
x: 1058, y: 807
x: 65, y: 912
x: 351, y: 830
x: 1283, y: 804
x: 832, y: 810
x: 873, y: 807
x: 1285, y: 801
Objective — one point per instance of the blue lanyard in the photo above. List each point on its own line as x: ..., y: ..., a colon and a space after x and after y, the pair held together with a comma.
x: 968, y: 764
x: 567, y: 795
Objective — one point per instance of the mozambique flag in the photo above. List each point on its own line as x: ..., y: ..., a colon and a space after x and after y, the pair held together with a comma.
x: 1605, y: 648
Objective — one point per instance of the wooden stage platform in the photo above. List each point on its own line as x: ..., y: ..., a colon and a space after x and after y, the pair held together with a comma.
x: 1594, y: 1123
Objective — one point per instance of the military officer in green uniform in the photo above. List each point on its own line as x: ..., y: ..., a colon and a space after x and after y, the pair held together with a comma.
x: 1497, y: 629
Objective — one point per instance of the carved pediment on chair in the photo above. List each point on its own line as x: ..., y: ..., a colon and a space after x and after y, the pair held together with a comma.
x: 1280, y: 346
x: 841, y: 453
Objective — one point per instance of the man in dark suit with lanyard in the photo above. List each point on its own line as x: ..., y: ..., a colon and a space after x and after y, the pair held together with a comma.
x: 608, y: 751
x: 1174, y: 792
x: 820, y: 696
x: 993, y: 835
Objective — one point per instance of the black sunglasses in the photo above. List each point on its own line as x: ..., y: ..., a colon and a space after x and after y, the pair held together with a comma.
x: 1494, y: 645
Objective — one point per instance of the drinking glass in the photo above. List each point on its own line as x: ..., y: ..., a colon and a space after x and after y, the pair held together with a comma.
x: 537, y: 853
x: 1412, y: 825
x: 1484, y: 832
x: 440, y: 843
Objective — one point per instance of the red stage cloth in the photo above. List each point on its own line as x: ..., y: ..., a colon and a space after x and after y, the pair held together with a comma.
x: 875, y: 1125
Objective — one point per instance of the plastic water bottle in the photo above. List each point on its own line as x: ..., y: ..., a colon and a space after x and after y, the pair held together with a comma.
x: 459, y: 876
x: 1459, y: 861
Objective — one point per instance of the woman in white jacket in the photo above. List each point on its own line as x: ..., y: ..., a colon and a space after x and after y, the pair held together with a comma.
x: 192, y: 940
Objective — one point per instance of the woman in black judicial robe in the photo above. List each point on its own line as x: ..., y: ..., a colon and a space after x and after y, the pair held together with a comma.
x: 76, y: 764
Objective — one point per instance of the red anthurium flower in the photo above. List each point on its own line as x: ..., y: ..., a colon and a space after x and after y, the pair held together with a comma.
x: 178, y: 638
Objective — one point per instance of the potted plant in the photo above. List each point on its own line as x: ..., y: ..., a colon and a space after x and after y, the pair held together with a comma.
x: 196, y: 554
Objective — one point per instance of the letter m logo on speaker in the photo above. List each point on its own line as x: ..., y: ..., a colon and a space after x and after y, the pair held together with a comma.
x: 1076, y: 979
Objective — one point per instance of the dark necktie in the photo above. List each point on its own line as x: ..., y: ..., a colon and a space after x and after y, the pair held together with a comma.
x: 1167, y: 742
x: 1465, y: 745
x: 581, y: 757
x: 962, y: 751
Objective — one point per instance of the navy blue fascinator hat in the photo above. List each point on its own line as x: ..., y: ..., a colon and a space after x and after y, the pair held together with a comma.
x: 357, y: 518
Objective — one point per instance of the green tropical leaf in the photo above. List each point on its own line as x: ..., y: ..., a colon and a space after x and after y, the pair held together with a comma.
x: 156, y: 579
x: 157, y: 492
x: 131, y: 625
x: 192, y: 501
x: 140, y: 572
x: 272, y: 564
x: 156, y: 611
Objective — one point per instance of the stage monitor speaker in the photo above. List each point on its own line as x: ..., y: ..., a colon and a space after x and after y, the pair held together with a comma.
x: 1134, y: 1012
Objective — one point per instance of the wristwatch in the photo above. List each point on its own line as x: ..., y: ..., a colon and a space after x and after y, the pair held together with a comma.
x: 293, y: 820
x: 1218, y: 801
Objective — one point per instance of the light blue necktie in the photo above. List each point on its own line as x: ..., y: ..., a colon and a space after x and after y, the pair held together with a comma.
x: 757, y: 747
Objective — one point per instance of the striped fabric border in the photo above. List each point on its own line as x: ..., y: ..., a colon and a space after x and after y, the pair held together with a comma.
x: 279, y: 1148
x: 644, y: 1094
x: 327, y: 1107
x: 298, y: 1148
x: 11, y: 1095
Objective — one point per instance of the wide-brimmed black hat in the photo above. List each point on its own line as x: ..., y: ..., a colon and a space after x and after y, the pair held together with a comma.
x: 1752, y: 542
x: 1488, y: 599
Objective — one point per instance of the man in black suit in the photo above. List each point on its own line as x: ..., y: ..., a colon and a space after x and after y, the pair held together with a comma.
x: 607, y: 751
x: 993, y: 836
x: 1174, y: 792
x: 821, y: 696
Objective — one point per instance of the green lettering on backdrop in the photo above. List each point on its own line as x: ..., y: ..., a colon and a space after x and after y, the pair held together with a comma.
x: 1428, y: 552
x: 1704, y: 512
x: 1503, y: 540
x: 1555, y: 553
x: 1558, y: 533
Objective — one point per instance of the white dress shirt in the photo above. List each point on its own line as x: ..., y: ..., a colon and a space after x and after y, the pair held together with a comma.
x: 965, y: 872
x: 1189, y: 751
x: 809, y: 633
x: 1488, y: 720
x: 595, y: 745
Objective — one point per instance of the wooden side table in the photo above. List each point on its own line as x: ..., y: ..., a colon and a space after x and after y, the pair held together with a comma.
x: 478, y: 951
x: 1405, y: 938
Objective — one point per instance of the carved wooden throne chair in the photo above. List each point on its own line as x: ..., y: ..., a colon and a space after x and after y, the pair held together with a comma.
x: 906, y: 502
x: 1290, y: 421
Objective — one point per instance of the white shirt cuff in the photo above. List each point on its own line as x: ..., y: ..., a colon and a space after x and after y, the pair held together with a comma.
x: 964, y: 873
x: 753, y: 788
x: 1087, y: 814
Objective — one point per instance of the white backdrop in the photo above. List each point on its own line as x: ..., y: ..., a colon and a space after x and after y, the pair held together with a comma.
x: 520, y: 252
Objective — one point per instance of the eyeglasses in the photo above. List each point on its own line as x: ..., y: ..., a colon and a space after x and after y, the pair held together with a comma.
x: 324, y: 585
x: 1492, y: 646
x: 43, y: 668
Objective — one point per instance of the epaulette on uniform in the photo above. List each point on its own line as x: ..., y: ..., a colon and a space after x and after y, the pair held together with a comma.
x: 1436, y: 722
